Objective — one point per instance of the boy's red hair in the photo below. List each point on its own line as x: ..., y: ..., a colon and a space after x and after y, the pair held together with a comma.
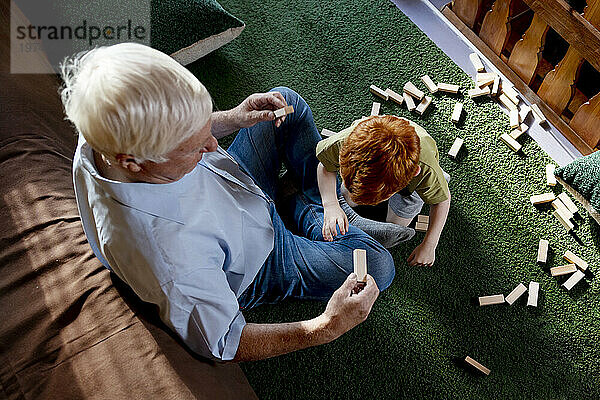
x: 379, y: 158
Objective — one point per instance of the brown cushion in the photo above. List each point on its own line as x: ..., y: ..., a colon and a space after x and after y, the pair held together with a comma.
x: 69, y: 328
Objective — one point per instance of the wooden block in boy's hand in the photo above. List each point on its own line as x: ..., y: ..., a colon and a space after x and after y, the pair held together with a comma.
x: 360, y: 264
x: 284, y: 111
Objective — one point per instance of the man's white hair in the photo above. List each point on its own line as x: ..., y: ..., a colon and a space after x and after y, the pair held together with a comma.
x: 132, y: 99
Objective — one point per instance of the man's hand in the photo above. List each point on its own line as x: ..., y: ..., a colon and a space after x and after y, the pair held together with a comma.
x: 259, y: 107
x: 333, y: 216
x: 345, y: 310
x: 422, y: 255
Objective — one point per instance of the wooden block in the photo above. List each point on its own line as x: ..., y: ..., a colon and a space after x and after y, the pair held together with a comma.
x: 510, y: 142
x: 481, y: 83
x: 512, y: 94
x: 572, y: 258
x: 542, y: 257
x: 550, y: 178
x: 422, y: 107
x: 514, y: 119
x: 446, y: 87
x: 562, y: 209
x: 564, y: 197
x: 477, y: 365
x: 477, y: 92
x: 534, y: 290
x: 375, y: 108
x: 515, y: 294
x: 564, y: 222
x: 484, y: 76
x: 378, y: 92
x: 423, y: 219
x: 496, y: 86
x: 524, y: 112
x: 476, y: 61
x: 506, y: 102
x: 542, y: 198
x: 327, y: 133
x: 537, y: 113
x: 421, y: 227
x: 413, y: 90
x: 395, y: 97
x: 458, y: 142
x: 284, y: 111
x: 457, y: 112
x: 431, y: 86
x: 573, y: 280
x: 563, y: 270
x: 410, y: 103
x: 360, y: 264
x: 493, y: 299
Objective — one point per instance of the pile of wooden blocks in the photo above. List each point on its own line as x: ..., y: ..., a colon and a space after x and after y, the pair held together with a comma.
x: 532, y: 300
x: 576, y: 267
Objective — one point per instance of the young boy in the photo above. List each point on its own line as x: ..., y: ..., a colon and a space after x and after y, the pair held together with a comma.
x: 381, y: 158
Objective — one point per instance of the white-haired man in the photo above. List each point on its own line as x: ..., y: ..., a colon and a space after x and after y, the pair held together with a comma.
x: 193, y: 228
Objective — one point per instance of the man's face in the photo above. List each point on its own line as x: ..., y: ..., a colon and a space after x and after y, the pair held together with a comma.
x: 182, y: 159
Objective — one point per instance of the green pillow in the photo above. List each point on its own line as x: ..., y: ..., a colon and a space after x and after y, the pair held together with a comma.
x: 583, y: 175
x: 190, y: 29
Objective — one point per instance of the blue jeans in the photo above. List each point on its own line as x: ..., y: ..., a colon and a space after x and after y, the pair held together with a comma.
x: 302, y: 264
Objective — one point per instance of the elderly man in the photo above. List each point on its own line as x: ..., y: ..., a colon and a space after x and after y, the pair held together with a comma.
x: 196, y: 229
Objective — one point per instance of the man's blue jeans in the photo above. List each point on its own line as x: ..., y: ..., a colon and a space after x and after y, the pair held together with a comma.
x: 301, y: 265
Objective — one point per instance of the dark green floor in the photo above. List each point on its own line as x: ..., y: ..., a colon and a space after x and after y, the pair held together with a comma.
x: 331, y: 52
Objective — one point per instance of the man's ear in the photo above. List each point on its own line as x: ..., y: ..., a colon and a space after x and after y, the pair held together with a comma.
x: 417, y: 171
x: 128, y: 162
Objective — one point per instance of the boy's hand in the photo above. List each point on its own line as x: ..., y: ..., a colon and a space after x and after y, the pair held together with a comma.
x: 334, y: 216
x: 422, y: 255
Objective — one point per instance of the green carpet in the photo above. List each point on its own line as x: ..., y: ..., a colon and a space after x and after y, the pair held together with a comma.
x: 330, y: 52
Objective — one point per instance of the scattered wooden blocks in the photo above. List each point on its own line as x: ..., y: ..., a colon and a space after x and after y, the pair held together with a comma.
x: 493, y: 299
x: 413, y: 90
x: 562, y: 209
x: 395, y: 97
x: 572, y: 258
x: 422, y: 107
x: 456, y: 146
x: 542, y: 198
x: 514, y: 119
x: 512, y: 94
x: 542, y: 257
x: 474, y: 363
x: 327, y: 133
x: 284, y: 111
x: 423, y: 219
x: 378, y: 92
x: 515, y: 134
x: 534, y: 289
x: 506, y: 102
x: 360, y: 264
x: 524, y: 112
x: 431, y: 86
x: 537, y: 113
x: 563, y: 270
x: 564, y: 222
x: 476, y: 61
x: 564, y: 197
x: 478, y: 92
x: 446, y: 87
x: 496, y: 86
x: 421, y: 227
x: 515, y: 294
x: 457, y: 112
x: 573, y: 280
x: 375, y: 108
x: 410, y: 103
x: 550, y: 178
x: 510, y: 142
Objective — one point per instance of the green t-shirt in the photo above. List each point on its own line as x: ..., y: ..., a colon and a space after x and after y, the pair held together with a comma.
x: 430, y: 183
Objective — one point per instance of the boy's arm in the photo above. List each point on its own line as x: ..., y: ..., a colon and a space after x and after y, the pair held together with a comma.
x: 333, y: 213
x: 424, y: 254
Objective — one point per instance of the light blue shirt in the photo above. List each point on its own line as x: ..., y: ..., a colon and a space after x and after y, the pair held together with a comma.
x: 191, y: 247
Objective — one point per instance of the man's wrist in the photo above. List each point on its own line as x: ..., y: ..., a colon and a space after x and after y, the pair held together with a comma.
x: 322, y: 329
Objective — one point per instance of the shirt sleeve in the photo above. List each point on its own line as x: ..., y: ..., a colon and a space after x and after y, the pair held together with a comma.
x: 328, y: 152
x: 433, y: 188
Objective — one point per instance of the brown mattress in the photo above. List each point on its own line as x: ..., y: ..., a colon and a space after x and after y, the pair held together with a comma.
x: 69, y: 329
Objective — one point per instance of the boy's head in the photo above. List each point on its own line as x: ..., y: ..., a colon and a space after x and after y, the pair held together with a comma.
x: 379, y: 158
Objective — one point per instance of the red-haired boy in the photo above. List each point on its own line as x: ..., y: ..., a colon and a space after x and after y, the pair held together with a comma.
x: 381, y: 158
